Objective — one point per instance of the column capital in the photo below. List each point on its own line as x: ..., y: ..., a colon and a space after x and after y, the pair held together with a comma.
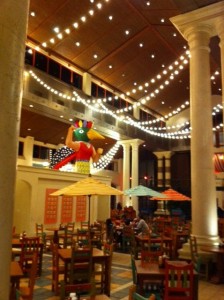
x: 124, y: 145
x: 204, y: 18
x: 136, y: 142
x: 161, y: 154
x: 132, y: 142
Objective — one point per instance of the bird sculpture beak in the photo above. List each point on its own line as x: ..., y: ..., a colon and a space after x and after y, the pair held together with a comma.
x: 93, y: 135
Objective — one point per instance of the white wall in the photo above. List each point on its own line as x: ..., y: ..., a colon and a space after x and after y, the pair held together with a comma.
x: 31, y: 187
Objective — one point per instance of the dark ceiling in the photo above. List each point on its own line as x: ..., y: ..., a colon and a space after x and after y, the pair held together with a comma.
x: 132, y: 65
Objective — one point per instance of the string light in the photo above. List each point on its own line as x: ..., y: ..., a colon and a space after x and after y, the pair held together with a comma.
x: 98, y: 106
x: 83, y: 18
x: 106, y: 159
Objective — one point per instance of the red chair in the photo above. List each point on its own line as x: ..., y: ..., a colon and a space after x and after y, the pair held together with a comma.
x: 178, y: 283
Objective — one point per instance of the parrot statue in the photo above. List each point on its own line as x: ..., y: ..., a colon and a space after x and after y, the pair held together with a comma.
x: 78, y: 147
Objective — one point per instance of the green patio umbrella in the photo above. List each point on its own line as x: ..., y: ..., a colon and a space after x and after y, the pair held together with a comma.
x: 141, y: 190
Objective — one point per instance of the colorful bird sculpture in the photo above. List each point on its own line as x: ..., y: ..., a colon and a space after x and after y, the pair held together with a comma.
x: 78, y: 147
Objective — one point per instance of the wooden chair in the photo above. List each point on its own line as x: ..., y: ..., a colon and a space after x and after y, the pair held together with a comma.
x: 86, y: 289
x: 100, y: 269
x: 66, y: 238
x: 46, y: 239
x: 96, y: 234
x: 127, y: 238
x: 178, y: 283
x: 110, y: 231
x: 58, y: 269
x: 201, y: 266
x: 85, y: 225
x: 150, y: 256
x: 26, y: 292
x: 83, y: 238
x: 30, y: 245
x: 133, y: 295
x: 133, y: 269
x: 80, y: 270
x: 154, y: 246
x: 135, y: 248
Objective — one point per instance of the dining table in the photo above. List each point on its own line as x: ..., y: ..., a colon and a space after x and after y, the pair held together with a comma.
x: 17, y: 244
x: 218, y: 250
x: 16, y: 274
x: 98, y: 257
x: 152, y: 271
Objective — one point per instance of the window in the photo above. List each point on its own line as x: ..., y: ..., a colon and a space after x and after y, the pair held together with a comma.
x: 29, y: 56
x: 54, y: 68
x: 20, y: 150
x: 66, y: 75
x: 40, y: 62
x: 77, y: 81
x: 41, y: 152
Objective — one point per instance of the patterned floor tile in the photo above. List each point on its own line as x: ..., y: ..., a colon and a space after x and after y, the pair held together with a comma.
x: 121, y: 278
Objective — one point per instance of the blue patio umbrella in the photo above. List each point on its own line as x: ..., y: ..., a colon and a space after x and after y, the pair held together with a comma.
x: 141, y: 190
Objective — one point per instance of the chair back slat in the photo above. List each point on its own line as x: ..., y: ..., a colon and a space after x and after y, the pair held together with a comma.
x: 178, y: 283
x: 81, y: 265
x: 30, y: 245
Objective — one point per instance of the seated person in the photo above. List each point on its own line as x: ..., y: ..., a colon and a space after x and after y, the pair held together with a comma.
x: 142, y: 226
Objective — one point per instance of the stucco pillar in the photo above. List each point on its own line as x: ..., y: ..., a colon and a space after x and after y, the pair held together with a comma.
x: 136, y: 112
x: 203, y: 185
x: 126, y: 169
x: 198, y: 27
x: 164, y: 176
x: 28, y: 150
x: 13, y: 26
x: 220, y: 31
x: 134, y: 169
x: 160, y: 169
x: 163, y: 173
x: 86, y: 83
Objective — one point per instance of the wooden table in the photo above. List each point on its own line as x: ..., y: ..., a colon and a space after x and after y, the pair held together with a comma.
x: 98, y: 257
x: 15, y: 274
x: 219, y: 251
x: 151, y: 271
x: 141, y: 239
x: 16, y: 243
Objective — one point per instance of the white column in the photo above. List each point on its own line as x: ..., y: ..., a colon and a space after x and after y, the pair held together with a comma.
x: 167, y: 155
x: 220, y: 31
x: 134, y: 169
x: 28, y: 150
x: 126, y: 169
x: 203, y: 185
x: 160, y: 171
x: 164, y: 176
x: 86, y: 83
x: 198, y: 27
x: 136, y: 112
x: 13, y: 25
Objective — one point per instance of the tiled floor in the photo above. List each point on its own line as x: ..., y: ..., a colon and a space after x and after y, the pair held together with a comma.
x: 121, y: 281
